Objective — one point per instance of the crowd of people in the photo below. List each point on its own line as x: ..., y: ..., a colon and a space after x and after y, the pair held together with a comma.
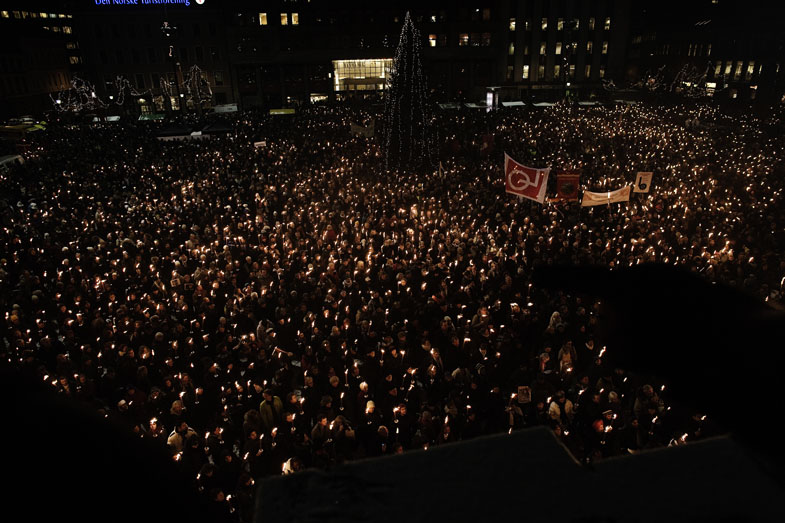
x: 259, y: 309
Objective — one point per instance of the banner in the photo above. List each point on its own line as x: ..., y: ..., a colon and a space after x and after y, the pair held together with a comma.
x: 642, y: 182
x: 487, y: 145
x: 604, y: 198
x: 523, y: 181
x: 567, y: 186
x: 359, y: 130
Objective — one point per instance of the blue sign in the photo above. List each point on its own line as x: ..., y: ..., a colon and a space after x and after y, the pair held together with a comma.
x: 146, y: 2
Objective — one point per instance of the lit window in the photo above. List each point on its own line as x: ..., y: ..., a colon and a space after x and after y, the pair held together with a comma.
x: 262, y: 18
x: 25, y: 14
x: 728, y: 67
x: 718, y: 68
x: 605, y: 48
x: 527, y: 25
x: 737, y: 72
x: 463, y: 39
x: 525, y: 72
x: 56, y: 29
x: 708, y: 50
x: 284, y: 19
x: 17, y: 14
x: 510, y: 72
x: 511, y: 49
x: 542, y: 48
x: 572, y: 70
x: 560, y: 24
x: 750, y: 70
x: 512, y: 24
x: 361, y: 75
x: 44, y: 15
x: 541, y: 72
x: 577, y: 23
x: 591, y: 24
x: 608, y: 24
x: 33, y: 15
x: 556, y: 71
x: 558, y: 47
x: 4, y: 14
x: 295, y: 19
x: 52, y: 15
x: 589, y: 46
x: 602, y: 71
x: 544, y: 24
x: 587, y: 72
x: 432, y: 40
x: 67, y: 29
x: 433, y: 19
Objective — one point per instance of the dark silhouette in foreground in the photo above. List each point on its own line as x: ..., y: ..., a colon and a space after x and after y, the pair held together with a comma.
x: 719, y: 348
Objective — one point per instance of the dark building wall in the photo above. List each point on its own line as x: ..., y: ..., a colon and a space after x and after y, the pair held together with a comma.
x: 739, y: 45
x: 33, y: 66
x: 466, y: 45
x: 130, y: 42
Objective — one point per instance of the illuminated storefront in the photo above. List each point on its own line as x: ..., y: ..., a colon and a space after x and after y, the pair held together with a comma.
x: 361, y: 75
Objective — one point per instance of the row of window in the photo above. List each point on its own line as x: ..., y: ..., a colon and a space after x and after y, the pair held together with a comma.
x: 558, y: 48
x: 286, y: 19
x: 66, y: 29
x: 734, y: 70
x: 478, y: 14
x: 21, y: 15
x: 555, y: 73
x: 561, y: 23
x: 692, y: 50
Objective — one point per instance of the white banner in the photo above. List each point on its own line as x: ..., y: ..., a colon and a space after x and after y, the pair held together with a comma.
x: 604, y: 198
x: 642, y: 182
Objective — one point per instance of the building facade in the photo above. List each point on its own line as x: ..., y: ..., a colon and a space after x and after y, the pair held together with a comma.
x: 299, y: 50
x: 728, y: 50
x: 158, y: 56
x: 155, y: 58
x: 38, y: 57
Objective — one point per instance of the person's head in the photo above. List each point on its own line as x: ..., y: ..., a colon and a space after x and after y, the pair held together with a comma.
x: 323, y: 420
x: 267, y: 395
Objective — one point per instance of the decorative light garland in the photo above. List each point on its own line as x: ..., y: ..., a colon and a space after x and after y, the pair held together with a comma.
x: 82, y: 96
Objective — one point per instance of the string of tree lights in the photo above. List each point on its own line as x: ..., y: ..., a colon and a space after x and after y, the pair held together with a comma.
x: 408, y: 137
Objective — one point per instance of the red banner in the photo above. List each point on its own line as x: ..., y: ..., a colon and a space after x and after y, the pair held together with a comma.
x: 567, y: 186
x: 523, y: 181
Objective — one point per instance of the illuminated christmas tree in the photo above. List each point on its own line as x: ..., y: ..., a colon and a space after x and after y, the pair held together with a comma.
x: 407, y: 131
